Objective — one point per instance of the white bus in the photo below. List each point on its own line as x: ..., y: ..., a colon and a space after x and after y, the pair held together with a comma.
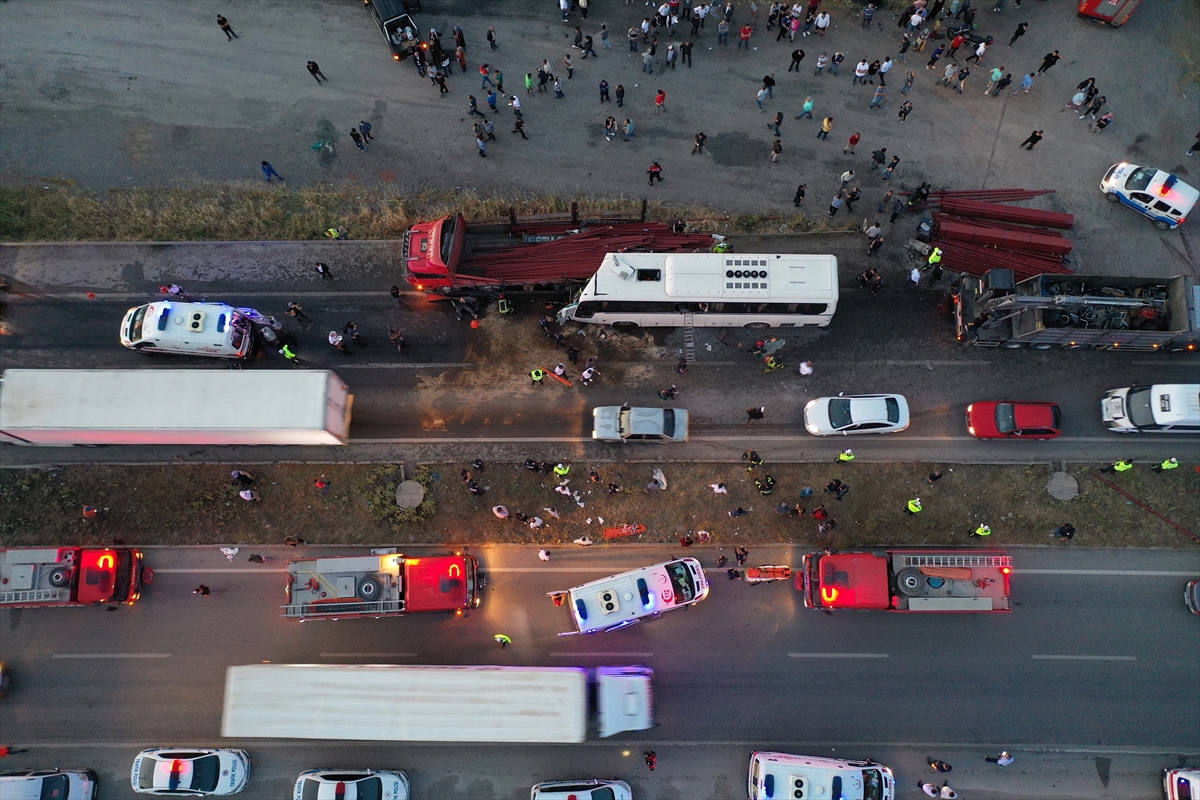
x: 709, y: 290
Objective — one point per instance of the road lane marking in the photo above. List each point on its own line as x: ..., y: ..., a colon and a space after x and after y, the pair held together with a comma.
x: 1085, y: 658
x: 1135, y: 573
x: 602, y: 655
x: 838, y: 655
x: 369, y: 655
x: 111, y: 655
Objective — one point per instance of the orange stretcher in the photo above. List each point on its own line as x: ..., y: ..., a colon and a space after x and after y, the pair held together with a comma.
x: 766, y: 574
x: 632, y: 529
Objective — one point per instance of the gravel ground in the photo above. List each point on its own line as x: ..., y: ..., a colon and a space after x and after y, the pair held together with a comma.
x: 200, y: 505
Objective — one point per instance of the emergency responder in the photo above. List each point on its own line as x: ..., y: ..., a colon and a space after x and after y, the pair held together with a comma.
x: 1124, y: 465
x: 561, y: 470
x: 914, y: 506
x: 537, y: 374
x: 754, y: 458
x: 982, y: 530
x: 1169, y: 464
x: 846, y: 455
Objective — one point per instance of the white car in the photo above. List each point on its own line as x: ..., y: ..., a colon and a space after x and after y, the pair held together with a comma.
x: 190, y: 771
x: 635, y: 424
x: 591, y: 789
x: 857, y: 413
x: 351, y: 784
x: 39, y: 784
x: 1159, y: 195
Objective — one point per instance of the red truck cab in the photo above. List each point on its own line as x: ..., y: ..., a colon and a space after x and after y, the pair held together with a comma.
x: 907, y: 580
x: 70, y: 576
x: 432, y: 251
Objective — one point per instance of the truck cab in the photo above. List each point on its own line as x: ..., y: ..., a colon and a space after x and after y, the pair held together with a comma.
x: 782, y: 776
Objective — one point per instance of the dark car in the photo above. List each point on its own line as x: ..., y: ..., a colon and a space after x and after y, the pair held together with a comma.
x: 1009, y: 420
x: 398, y: 28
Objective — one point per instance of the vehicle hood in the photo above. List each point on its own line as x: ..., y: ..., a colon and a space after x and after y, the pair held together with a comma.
x: 982, y: 418
x: 816, y: 415
x: 604, y: 422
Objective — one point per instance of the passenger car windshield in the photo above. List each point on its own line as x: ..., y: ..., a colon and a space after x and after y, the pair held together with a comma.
x: 205, y: 772
x: 55, y: 787
x: 839, y: 413
x: 893, y: 409
x: 1137, y: 407
x: 1006, y: 420
x: 681, y: 581
x: 1140, y: 179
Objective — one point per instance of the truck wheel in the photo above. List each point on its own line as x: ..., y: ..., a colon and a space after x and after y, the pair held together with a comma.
x: 909, y: 582
x: 755, y: 326
x: 59, y: 577
x: 625, y: 326
x: 1013, y: 345
x: 369, y: 589
x: 1112, y: 197
x: 1043, y: 346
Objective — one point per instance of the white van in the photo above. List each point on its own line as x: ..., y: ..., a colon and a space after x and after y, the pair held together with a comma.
x: 590, y: 789
x: 1159, y: 195
x: 782, y: 776
x: 1160, y: 408
x: 1181, y: 784
x: 195, y: 329
x: 618, y: 601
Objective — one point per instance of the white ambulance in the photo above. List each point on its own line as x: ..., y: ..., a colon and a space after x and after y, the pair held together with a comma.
x: 782, y: 776
x: 618, y: 601
x: 195, y: 329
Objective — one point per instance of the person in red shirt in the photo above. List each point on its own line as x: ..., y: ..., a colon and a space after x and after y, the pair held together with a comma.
x: 851, y: 143
x: 660, y: 101
x: 747, y: 32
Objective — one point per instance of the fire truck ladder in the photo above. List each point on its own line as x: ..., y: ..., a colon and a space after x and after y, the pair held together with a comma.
x: 689, y: 341
x: 30, y: 596
x: 978, y: 561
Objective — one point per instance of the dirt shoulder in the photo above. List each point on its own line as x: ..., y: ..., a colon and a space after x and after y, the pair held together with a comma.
x: 181, y: 505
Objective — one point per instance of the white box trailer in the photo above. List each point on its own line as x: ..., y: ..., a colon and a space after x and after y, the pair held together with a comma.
x: 173, y: 406
x: 400, y: 703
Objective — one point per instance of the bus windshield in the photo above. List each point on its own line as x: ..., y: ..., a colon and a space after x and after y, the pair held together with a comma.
x: 681, y: 581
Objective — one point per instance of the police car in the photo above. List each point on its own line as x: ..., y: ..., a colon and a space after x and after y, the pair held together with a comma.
x: 193, y: 771
x: 351, y: 784
x: 1159, y: 195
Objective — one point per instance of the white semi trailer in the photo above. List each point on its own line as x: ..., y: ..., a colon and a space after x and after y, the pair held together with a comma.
x: 173, y: 406
x: 401, y: 703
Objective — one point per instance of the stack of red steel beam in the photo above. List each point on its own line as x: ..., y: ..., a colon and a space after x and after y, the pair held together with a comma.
x: 576, y: 256
x: 978, y: 231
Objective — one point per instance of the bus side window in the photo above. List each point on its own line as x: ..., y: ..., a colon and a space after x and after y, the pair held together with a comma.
x: 586, y: 310
x: 736, y: 308
x: 812, y: 309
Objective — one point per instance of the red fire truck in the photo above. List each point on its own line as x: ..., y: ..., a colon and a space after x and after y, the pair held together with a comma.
x: 907, y: 580
x: 1113, y: 13
x: 381, y: 585
x: 71, y: 576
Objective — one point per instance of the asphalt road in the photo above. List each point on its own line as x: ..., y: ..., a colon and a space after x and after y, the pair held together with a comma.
x: 1091, y: 677
x: 429, y: 405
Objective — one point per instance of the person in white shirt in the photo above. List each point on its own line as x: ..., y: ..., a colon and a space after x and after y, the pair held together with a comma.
x: 806, y: 368
x: 718, y: 488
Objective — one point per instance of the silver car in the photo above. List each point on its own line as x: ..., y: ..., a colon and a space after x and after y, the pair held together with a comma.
x: 637, y: 424
x: 859, y: 413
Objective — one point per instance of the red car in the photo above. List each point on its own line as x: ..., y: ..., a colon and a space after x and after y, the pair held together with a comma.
x: 1008, y: 420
